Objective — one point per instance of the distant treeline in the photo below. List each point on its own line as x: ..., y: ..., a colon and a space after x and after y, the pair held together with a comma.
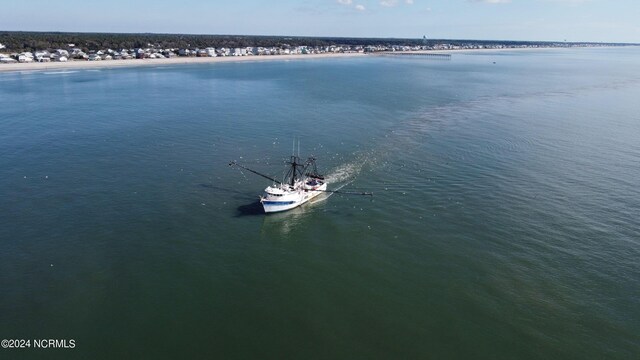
x: 31, y: 41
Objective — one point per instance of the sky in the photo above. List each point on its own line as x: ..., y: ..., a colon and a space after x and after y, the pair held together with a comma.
x: 534, y: 20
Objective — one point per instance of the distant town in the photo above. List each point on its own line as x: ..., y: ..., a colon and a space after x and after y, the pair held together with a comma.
x: 44, y: 47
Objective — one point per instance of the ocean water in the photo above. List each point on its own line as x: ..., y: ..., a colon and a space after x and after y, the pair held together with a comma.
x: 505, y: 221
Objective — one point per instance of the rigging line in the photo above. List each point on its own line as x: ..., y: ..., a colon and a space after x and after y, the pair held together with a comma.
x: 234, y: 163
x: 345, y: 192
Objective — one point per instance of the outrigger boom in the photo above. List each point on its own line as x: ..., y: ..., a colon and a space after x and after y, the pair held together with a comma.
x: 235, y: 163
x: 348, y: 192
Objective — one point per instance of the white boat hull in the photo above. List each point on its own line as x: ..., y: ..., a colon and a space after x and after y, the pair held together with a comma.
x: 288, y: 201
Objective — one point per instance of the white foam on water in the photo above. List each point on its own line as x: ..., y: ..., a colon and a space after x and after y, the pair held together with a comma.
x: 345, y: 172
x: 59, y: 72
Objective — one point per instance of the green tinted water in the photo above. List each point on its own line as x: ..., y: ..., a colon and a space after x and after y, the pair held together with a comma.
x: 504, y: 222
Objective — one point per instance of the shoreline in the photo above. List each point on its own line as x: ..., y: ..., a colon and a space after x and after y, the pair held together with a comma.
x: 111, y: 64
x: 475, y: 51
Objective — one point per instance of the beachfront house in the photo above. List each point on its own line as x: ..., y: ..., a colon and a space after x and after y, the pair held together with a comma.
x: 77, y: 53
x: 94, y: 57
x: 168, y: 54
x: 25, y: 57
x: 211, y: 52
x: 6, y: 59
x: 42, y: 56
x: 239, y: 52
x: 62, y: 52
x: 124, y: 55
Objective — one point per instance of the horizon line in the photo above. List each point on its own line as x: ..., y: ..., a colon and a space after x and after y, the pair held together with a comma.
x: 316, y: 37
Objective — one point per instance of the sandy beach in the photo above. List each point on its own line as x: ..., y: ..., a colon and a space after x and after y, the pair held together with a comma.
x: 106, y: 64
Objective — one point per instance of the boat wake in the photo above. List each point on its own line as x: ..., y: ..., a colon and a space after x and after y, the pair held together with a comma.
x: 342, y: 176
x: 345, y: 173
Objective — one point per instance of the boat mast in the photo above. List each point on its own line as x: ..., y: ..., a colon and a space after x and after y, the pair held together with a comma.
x: 296, y: 172
x: 293, y: 168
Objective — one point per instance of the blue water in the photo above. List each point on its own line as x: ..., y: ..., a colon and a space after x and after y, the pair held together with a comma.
x: 504, y: 222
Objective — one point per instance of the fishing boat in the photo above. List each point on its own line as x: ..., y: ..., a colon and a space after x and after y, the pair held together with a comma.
x: 301, y: 183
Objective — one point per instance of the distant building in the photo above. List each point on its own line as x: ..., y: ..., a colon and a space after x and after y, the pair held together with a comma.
x: 42, y: 56
x: 24, y: 58
x: 6, y: 60
x: 168, y: 54
x: 211, y: 52
x: 239, y: 52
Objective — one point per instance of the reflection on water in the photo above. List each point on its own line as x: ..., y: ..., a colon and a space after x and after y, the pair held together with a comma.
x: 252, y: 209
x: 284, y: 222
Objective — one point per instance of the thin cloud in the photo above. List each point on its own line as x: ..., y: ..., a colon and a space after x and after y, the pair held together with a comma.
x: 490, y: 1
x: 389, y: 3
x: 349, y: 3
x: 394, y: 3
x: 569, y: 1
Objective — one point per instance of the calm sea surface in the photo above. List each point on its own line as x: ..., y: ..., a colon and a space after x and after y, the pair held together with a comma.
x: 505, y: 221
